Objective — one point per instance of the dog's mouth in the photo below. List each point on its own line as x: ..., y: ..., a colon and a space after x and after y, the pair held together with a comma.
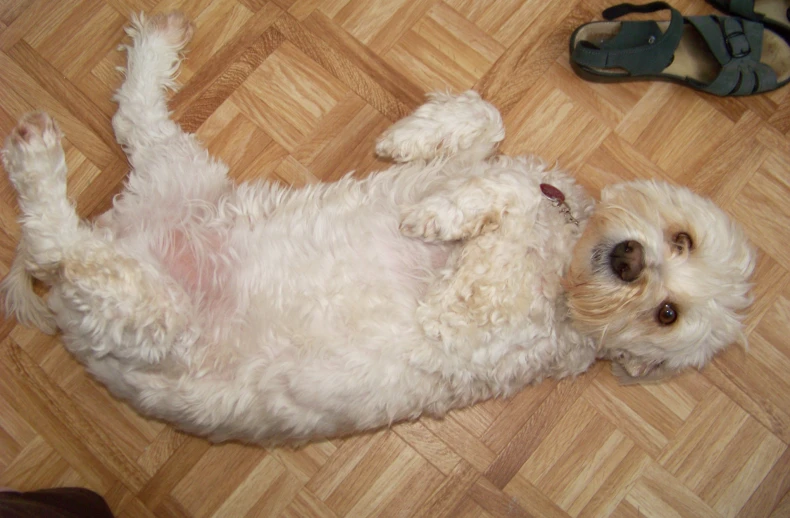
x: 635, y: 367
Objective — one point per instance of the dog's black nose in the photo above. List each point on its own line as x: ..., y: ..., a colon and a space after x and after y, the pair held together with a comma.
x: 627, y: 260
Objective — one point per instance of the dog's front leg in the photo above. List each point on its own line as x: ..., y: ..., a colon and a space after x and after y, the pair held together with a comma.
x: 463, y: 127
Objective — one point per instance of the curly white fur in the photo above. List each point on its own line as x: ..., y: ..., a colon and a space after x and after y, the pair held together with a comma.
x: 265, y: 313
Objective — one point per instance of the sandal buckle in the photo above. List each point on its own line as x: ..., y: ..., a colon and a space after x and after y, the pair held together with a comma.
x: 737, y: 44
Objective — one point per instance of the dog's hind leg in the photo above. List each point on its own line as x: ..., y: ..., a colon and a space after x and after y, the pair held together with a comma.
x: 36, y: 166
x: 142, y: 123
x: 111, y: 303
x: 462, y: 126
x: 167, y: 162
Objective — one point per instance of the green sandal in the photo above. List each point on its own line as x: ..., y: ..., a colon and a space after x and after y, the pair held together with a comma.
x: 774, y: 14
x: 720, y: 55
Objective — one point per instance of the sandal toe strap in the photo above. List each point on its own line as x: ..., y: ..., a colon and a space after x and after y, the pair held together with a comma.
x: 737, y: 46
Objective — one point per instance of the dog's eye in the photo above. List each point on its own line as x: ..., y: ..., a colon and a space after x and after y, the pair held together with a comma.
x: 682, y: 242
x: 667, y: 314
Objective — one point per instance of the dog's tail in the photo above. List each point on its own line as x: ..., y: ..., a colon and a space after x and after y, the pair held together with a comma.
x: 20, y: 299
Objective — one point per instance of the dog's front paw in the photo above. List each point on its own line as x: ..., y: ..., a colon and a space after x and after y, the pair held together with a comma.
x: 444, y: 126
x: 33, y: 145
x: 387, y: 146
x: 434, y: 219
x: 437, y: 218
x: 418, y: 225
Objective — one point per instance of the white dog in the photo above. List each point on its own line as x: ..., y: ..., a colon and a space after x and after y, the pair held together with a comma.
x: 264, y: 313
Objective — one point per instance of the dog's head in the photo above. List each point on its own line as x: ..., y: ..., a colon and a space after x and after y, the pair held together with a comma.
x: 658, y: 278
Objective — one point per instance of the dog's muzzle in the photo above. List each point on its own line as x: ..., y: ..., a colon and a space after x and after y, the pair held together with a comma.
x: 627, y: 260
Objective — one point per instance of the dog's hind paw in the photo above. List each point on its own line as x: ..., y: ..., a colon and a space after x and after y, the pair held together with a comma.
x: 174, y: 27
x: 35, y: 131
x: 33, y: 146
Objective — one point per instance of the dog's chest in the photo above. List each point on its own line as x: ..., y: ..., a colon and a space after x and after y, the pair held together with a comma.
x: 500, y: 290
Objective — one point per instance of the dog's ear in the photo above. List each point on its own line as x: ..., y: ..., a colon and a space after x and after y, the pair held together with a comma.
x: 631, y: 373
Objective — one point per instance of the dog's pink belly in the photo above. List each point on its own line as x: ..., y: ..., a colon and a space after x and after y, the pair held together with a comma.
x: 269, y: 283
x: 199, y: 264
x: 184, y: 264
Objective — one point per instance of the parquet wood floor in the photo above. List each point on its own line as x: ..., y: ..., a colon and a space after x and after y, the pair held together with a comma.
x: 296, y: 91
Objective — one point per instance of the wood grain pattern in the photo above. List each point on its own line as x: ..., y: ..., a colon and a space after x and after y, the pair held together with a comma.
x: 296, y: 91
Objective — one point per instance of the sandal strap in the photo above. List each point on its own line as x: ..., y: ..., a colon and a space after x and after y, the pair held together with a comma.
x: 640, y: 47
x: 742, y: 8
x: 620, y: 10
x: 737, y: 46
